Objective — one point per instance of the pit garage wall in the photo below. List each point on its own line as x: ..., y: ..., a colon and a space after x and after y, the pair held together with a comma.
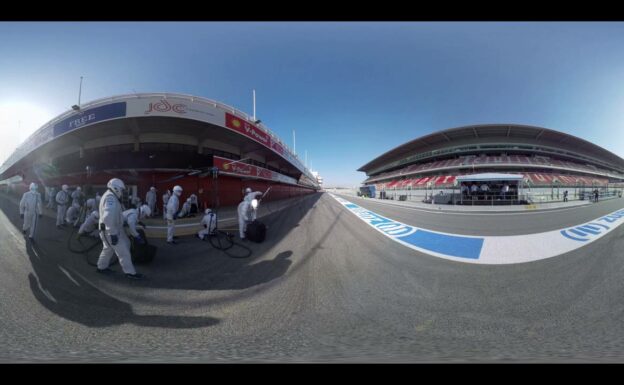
x: 230, y: 189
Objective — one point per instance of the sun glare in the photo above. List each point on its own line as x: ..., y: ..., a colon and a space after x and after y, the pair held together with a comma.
x: 18, y: 120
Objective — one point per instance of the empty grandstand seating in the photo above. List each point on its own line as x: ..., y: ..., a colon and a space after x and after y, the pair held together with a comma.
x: 391, y: 179
x: 533, y: 179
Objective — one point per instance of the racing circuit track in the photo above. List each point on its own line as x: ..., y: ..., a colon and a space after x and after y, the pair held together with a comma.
x: 324, y: 286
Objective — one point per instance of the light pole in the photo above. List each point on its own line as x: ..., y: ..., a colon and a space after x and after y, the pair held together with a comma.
x: 76, y: 107
x: 80, y: 91
x: 254, y: 105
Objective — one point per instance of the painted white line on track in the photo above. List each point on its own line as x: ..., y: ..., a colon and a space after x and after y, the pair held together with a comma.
x: 18, y: 238
x: 44, y: 291
x: 489, y: 249
x: 198, y: 225
x: 68, y: 275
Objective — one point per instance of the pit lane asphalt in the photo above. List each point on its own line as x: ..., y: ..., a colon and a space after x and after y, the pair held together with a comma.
x: 323, y: 287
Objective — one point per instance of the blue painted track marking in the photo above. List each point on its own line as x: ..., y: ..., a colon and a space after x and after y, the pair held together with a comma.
x: 590, y: 229
x: 565, y: 234
x: 446, y: 244
x: 452, y: 245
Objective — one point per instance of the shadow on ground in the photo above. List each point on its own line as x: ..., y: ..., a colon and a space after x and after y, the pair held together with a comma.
x: 57, y: 282
x: 65, y: 283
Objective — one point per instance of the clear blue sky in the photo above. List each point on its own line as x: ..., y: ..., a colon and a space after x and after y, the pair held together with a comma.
x: 350, y: 90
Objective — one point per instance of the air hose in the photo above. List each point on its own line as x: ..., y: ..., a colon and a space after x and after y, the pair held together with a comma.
x: 84, y: 249
x: 218, y: 239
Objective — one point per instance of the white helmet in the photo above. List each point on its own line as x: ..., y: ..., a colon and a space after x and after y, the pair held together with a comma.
x: 177, y: 190
x: 207, y: 211
x: 247, y: 190
x: 117, y: 186
x: 78, y: 188
x: 64, y: 187
x: 144, y: 211
x: 153, y: 188
x: 33, y: 186
x: 188, y: 200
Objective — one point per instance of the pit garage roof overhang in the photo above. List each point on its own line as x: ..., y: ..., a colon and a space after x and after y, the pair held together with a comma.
x: 155, y: 129
x: 128, y: 119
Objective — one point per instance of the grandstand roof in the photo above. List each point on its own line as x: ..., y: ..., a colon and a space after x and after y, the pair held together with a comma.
x: 488, y: 133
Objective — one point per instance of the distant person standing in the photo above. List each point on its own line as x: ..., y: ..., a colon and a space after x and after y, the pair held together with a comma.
x: 77, y: 197
x: 165, y: 199
x: 505, y: 190
x: 194, y: 204
x: 30, y: 207
x: 51, y: 194
x: 150, y: 198
x: 173, y: 205
x: 596, y: 195
x: 565, y: 196
x: 464, y: 189
x: 473, y: 189
x: 62, y: 199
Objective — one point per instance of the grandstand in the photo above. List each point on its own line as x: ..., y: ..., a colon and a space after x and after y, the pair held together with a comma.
x: 548, y: 160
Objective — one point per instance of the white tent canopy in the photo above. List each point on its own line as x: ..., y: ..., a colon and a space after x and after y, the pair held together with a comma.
x: 489, y: 177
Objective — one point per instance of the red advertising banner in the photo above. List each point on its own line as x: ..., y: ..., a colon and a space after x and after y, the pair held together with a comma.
x: 243, y: 169
x: 235, y: 167
x: 277, y: 147
x: 247, y: 129
x: 264, y: 173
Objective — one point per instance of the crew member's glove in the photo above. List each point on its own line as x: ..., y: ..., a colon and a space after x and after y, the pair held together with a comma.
x: 175, y: 216
x: 22, y: 216
x: 205, y: 226
x: 114, y: 240
x: 139, y: 240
